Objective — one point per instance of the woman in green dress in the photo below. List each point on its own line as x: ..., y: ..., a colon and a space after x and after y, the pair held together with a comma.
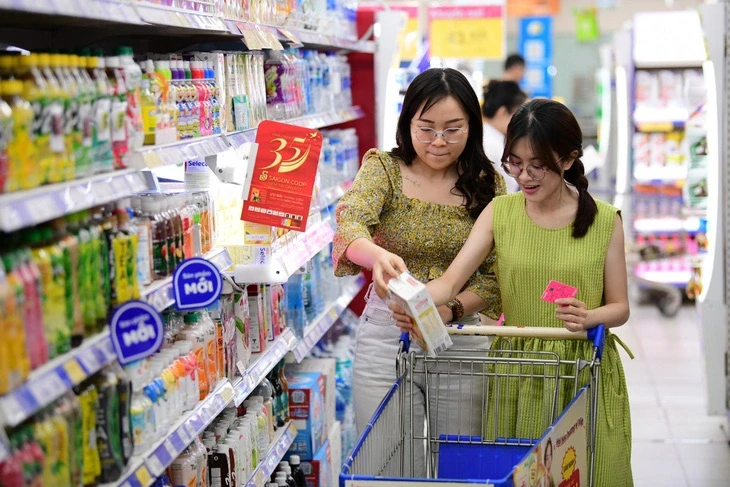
x: 553, y: 230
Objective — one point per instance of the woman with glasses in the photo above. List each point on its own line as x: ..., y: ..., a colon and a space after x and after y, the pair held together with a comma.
x: 501, y: 99
x: 412, y: 209
x: 553, y: 230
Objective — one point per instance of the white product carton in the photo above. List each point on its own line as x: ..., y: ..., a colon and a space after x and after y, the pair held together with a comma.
x: 412, y: 295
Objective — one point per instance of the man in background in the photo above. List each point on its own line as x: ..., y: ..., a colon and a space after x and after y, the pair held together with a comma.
x: 514, y: 68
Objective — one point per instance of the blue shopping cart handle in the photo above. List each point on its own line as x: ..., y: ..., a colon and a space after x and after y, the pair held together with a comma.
x: 598, y: 336
x: 405, y: 339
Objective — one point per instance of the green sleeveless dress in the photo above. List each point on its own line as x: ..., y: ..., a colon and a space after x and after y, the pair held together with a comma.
x: 528, y: 257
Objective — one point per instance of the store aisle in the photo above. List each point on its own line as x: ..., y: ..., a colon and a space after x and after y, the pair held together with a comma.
x: 675, y: 442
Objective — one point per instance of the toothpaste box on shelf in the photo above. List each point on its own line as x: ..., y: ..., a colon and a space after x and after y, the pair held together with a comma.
x: 306, y: 408
x: 412, y: 295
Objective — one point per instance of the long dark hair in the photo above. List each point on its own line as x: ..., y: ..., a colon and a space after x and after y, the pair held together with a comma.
x: 476, y: 174
x: 550, y: 127
x: 499, y: 94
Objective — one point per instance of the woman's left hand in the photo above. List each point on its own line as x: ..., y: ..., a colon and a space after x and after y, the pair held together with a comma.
x: 403, y: 321
x: 572, y: 313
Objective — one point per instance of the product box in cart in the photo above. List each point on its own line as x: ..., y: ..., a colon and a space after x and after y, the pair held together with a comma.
x: 412, y: 295
x: 306, y: 408
x: 326, y: 366
x: 318, y: 470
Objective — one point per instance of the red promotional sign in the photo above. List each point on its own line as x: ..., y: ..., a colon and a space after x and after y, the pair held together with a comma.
x: 283, y: 176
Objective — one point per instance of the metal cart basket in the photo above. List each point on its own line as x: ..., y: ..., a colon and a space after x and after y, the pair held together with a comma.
x: 535, y: 415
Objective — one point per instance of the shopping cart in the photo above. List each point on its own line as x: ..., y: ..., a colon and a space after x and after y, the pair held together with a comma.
x: 521, y: 398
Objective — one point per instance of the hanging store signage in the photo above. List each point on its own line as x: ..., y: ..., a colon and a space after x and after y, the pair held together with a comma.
x: 137, y: 331
x: 524, y: 8
x: 536, y: 46
x: 197, y: 284
x: 468, y: 31
x: 283, y: 176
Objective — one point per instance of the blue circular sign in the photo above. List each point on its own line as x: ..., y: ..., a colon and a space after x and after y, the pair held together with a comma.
x: 197, y: 284
x: 137, y: 331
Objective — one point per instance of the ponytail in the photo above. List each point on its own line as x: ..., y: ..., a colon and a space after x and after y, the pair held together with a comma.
x: 587, y: 207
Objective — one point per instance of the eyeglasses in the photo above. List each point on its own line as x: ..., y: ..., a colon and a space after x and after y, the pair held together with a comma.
x: 451, y: 136
x: 534, y: 171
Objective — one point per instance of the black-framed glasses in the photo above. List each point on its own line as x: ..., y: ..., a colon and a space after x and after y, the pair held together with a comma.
x: 533, y: 170
x: 452, y: 135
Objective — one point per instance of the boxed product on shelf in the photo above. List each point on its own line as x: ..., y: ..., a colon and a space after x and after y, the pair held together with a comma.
x: 306, y: 408
x: 326, y: 366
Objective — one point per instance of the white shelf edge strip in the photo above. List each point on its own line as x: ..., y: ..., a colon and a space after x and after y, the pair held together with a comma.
x: 153, y: 462
x: 30, y: 207
x: 160, y: 293
x: 282, y: 441
x: 55, y: 378
x: 320, y: 325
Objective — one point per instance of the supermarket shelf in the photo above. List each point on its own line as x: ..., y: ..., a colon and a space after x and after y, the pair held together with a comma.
x: 265, y: 361
x: 288, y: 258
x: 660, y: 126
x: 160, y: 293
x: 282, y: 441
x: 153, y: 156
x: 667, y: 225
x: 27, y: 208
x: 330, y: 196
x: 55, y: 378
x: 110, y: 11
x: 321, y: 324
x: 149, y: 17
x: 314, y: 121
x: 169, y: 154
x: 143, y: 469
x: 670, y: 173
x: 674, y: 278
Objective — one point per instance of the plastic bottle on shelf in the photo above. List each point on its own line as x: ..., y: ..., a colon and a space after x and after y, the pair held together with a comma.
x: 102, y: 152
x: 60, y: 66
x: 18, y: 308
x: 194, y: 333
x: 18, y: 145
x: 133, y: 82
x: 296, y: 470
x: 120, y: 136
x: 53, y: 121
x: 85, y: 119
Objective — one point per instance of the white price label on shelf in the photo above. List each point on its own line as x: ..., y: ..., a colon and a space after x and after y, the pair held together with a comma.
x: 155, y: 466
x: 89, y: 360
x: 47, y: 388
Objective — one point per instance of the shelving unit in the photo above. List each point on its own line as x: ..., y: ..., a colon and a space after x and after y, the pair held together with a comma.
x: 37, y: 24
x: 38, y: 205
x: 160, y: 293
x: 55, y: 378
x: 151, y: 463
x: 283, y: 440
x: 322, y: 323
x: 199, y: 148
x: 287, y: 259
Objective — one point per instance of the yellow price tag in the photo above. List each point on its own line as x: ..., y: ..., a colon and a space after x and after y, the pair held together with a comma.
x: 143, y: 476
x: 74, y: 371
x: 467, y: 32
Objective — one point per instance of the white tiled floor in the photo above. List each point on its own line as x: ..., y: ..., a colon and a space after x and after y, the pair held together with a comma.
x: 675, y: 442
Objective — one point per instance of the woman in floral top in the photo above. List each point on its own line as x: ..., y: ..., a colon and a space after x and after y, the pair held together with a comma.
x: 412, y: 209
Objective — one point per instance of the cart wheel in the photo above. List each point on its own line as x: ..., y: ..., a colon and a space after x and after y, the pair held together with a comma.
x: 669, y: 305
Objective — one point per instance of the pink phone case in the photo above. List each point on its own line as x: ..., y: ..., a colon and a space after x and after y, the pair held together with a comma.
x: 557, y: 290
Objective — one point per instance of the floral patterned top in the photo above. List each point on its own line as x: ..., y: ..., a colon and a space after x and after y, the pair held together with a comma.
x: 426, y: 235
